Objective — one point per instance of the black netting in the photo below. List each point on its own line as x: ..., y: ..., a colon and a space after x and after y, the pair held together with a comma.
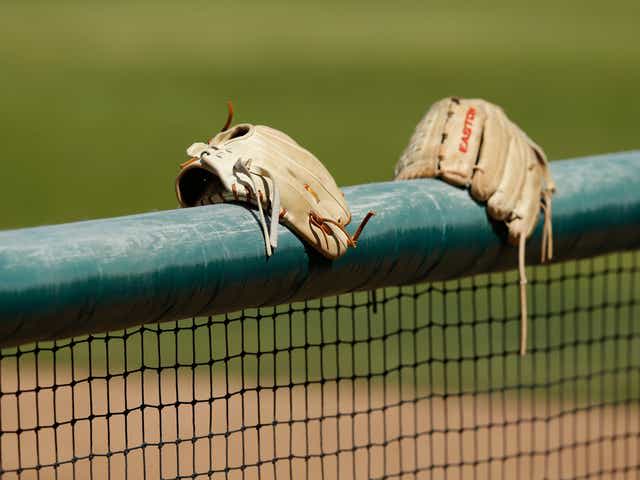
x: 418, y: 382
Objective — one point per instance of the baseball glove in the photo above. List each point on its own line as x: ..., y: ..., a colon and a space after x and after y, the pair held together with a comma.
x: 471, y: 143
x: 263, y: 167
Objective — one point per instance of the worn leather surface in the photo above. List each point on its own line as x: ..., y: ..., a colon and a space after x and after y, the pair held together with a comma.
x: 305, y: 185
x: 472, y: 143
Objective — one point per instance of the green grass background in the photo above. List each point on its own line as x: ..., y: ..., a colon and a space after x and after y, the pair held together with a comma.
x: 99, y: 100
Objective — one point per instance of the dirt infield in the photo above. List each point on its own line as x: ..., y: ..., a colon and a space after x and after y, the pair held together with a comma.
x: 359, y: 433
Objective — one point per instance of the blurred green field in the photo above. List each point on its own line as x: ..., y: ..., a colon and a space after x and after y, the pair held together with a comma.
x: 100, y: 99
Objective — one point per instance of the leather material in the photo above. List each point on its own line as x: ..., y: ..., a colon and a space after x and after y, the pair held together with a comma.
x: 310, y: 202
x: 471, y: 143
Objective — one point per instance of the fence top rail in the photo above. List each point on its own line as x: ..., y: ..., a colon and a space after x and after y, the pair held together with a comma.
x: 87, y: 277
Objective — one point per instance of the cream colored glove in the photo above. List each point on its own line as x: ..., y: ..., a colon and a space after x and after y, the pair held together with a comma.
x: 471, y: 143
x: 249, y: 162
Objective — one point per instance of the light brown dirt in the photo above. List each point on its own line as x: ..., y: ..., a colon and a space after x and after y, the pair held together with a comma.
x: 353, y: 432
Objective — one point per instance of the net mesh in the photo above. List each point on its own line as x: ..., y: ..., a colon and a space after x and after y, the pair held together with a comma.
x: 422, y: 381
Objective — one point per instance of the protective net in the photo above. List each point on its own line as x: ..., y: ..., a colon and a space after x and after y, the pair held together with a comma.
x: 422, y: 381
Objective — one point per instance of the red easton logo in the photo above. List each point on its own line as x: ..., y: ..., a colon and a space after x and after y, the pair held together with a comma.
x: 467, y: 130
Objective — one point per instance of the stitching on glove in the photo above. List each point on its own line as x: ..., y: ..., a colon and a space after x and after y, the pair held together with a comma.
x: 477, y: 167
x: 450, y: 114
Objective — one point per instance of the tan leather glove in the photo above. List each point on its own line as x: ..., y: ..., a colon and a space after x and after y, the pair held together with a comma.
x: 247, y: 162
x: 471, y: 143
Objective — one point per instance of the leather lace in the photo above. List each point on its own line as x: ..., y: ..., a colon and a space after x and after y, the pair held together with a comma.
x: 271, y: 233
x: 323, y: 222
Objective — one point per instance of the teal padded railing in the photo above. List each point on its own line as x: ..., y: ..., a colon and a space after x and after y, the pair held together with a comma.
x: 67, y: 280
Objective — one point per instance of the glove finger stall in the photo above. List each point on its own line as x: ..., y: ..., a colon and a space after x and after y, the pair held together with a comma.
x: 528, y: 206
x: 492, y: 158
x: 420, y: 157
x: 502, y: 203
x: 460, y: 141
